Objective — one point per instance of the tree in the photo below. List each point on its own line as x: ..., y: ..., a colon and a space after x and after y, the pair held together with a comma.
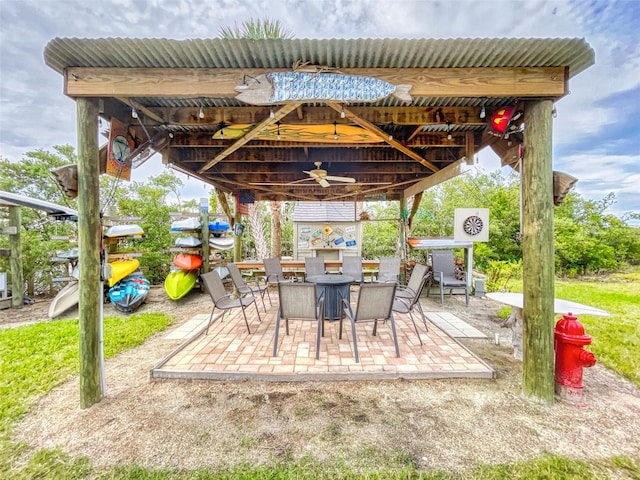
x: 31, y: 177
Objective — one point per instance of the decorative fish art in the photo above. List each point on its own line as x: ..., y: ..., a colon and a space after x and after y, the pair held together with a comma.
x: 281, y: 87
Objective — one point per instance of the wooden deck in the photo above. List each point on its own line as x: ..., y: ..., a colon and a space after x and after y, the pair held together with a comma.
x: 228, y: 352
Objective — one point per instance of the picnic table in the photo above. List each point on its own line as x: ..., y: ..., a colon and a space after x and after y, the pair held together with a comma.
x: 516, y: 301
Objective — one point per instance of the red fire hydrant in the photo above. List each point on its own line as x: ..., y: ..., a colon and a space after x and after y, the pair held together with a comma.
x: 571, y: 357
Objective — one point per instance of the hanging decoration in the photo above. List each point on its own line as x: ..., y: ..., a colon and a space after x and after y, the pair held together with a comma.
x: 118, y: 149
x: 503, y: 121
x: 282, y: 87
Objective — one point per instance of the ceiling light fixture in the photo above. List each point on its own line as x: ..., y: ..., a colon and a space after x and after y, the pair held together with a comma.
x: 449, y: 131
x: 134, y: 114
x: 335, y: 130
x: 483, y: 110
x: 342, y: 114
x: 271, y: 113
x: 201, y: 113
x: 278, y: 131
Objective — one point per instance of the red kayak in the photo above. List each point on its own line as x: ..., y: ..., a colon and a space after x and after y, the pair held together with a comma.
x: 187, y: 261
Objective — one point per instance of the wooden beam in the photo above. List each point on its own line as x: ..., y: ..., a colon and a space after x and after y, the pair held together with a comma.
x: 442, y: 175
x: 141, y: 108
x: 383, y: 135
x: 89, y: 259
x: 312, y: 115
x: 221, y: 82
x: 251, y: 134
x: 470, y: 147
x: 538, y: 273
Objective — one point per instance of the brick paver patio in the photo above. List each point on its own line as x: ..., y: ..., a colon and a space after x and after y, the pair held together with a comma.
x: 228, y: 352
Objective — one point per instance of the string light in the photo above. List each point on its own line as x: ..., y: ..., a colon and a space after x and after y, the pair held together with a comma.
x: 449, y: 131
x: 278, y: 132
x: 342, y: 114
x: 134, y: 114
x: 271, y: 113
x: 483, y: 110
x: 201, y: 113
x: 335, y: 130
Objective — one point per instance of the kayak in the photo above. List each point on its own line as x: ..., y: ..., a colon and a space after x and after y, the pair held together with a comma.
x: 122, y: 268
x: 218, y: 226
x: 221, y: 243
x: 187, y: 261
x: 188, y: 242
x: 191, y: 223
x: 179, y: 282
x: 66, y: 298
x: 129, y: 293
x: 131, y: 230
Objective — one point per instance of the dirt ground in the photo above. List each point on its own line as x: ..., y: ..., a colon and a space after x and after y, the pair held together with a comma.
x: 435, y: 424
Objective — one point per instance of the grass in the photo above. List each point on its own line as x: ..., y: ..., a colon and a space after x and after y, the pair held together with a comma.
x: 36, y: 358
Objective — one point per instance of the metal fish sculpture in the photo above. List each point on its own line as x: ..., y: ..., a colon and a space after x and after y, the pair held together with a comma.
x: 281, y: 87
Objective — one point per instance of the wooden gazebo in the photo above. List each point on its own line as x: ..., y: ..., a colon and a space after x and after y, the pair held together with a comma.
x: 188, y: 99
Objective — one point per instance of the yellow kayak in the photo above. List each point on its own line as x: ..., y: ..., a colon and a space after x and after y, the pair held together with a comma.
x: 122, y: 268
x: 179, y: 282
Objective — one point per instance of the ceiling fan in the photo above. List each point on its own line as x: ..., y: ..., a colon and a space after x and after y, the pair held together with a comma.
x: 320, y: 176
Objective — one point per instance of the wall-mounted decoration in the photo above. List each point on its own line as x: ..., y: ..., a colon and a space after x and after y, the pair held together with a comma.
x: 351, y: 243
x: 118, y: 149
x: 282, y: 87
x: 471, y: 224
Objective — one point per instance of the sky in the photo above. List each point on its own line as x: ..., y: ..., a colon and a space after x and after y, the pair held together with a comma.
x: 596, y: 134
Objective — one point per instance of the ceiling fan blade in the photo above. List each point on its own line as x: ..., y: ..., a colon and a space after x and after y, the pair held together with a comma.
x: 323, y: 182
x: 340, y: 179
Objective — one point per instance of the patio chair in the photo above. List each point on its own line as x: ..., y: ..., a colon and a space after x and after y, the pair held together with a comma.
x: 299, y: 301
x: 223, y: 300
x: 313, y: 266
x: 247, y: 288
x: 408, y: 297
x: 352, y: 267
x: 444, y: 274
x: 389, y: 270
x: 273, y: 271
x: 375, y: 302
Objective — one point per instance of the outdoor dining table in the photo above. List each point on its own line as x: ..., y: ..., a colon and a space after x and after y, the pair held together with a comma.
x: 335, y: 288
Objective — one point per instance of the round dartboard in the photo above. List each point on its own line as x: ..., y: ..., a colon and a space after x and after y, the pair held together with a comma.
x: 472, y: 225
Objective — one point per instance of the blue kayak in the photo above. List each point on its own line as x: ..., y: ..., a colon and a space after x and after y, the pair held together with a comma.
x: 129, y: 293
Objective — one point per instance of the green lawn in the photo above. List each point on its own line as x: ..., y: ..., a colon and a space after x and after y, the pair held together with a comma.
x: 36, y: 358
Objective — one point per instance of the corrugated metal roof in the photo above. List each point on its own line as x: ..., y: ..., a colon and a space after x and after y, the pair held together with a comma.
x: 324, y: 212
x: 341, y: 53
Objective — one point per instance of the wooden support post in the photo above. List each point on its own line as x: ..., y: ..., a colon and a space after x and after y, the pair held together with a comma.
x: 89, y: 256
x: 402, y: 233
x: 538, y: 253
x: 204, y: 234
x: 15, y: 261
